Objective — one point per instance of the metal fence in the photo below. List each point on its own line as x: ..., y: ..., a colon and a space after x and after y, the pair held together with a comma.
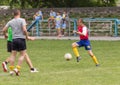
x: 96, y: 26
x: 105, y: 26
x: 41, y: 28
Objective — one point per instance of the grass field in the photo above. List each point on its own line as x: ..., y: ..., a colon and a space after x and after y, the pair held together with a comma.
x: 48, y: 57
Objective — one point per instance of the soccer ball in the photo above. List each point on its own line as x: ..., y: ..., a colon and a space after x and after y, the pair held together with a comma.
x: 68, y: 56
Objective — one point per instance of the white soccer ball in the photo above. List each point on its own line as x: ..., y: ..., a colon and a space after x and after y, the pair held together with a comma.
x: 68, y: 56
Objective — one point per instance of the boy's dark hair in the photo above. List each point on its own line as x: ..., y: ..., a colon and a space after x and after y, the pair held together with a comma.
x: 16, y: 12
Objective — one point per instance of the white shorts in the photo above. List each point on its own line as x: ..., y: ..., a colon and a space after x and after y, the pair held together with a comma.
x: 58, y: 26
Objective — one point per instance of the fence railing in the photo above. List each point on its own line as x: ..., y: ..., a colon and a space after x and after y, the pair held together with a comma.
x: 41, y: 27
x: 96, y: 26
x: 111, y: 25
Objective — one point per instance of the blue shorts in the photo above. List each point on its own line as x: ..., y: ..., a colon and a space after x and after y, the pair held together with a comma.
x: 85, y: 43
x: 63, y: 26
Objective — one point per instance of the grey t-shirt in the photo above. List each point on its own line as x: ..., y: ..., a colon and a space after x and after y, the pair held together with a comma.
x: 17, y: 24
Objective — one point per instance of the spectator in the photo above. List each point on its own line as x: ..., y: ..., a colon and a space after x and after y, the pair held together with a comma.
x: 52, y: 19
x: 38, y: 15
x: 63, y: 23
x: 58, y: 20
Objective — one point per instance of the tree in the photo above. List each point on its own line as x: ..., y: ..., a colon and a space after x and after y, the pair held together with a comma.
x: 106, y: 2
x: 56, y: 3
x: 14, y: 3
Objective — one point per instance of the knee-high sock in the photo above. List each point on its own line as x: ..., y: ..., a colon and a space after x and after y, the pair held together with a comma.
x: 11, y: 67
x: 95, y: 60
x: 18, y: 67
x: 75, y: 50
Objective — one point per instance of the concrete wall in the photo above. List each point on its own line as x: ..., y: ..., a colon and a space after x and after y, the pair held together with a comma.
x: 83, y: 12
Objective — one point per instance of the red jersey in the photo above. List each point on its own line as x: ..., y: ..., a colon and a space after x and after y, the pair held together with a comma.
x: 84, y: 30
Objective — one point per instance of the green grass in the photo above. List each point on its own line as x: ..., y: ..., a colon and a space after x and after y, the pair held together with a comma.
x: 47, y: 57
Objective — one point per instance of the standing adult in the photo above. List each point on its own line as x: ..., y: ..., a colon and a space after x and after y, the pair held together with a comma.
x: 19, y: 33
x: 9, y: 49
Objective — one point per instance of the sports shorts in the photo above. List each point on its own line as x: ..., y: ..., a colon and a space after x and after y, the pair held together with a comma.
x: 84, y: 43
x: 9, y: 46
x: 18, y: 44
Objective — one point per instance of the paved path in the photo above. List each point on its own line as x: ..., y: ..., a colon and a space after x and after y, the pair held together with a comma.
x: 76, y: 38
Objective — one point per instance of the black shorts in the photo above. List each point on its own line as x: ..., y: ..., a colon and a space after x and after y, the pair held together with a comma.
x: 18, y: 44
x: 9, y: 46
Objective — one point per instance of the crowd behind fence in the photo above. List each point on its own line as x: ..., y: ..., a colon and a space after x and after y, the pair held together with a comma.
x: 96, y: 26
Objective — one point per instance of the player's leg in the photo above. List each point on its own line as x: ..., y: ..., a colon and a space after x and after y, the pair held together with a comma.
x: 48, y: 22
x: 7, y: 60
x: 53, y: 23
x: 88, y: 48
x: 63, y: 29
x: 4, y: 64
x: 75, y: 50
x: 28, y: 61
x: 12, y: 60
x: 63, y: 32
x: 20, y: 60
x: 20, y: 45
x: 93, y: 57
x: 13, y: 55
x: 59, y: 32
x: 9, y: 49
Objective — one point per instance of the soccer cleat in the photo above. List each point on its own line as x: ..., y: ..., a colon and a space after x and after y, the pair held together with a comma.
x: 34, y: 70
x: 97, y: 65
x: 78, y: 59
x: 16, y: 71
x: 4, y: 65
x: 11, y: 73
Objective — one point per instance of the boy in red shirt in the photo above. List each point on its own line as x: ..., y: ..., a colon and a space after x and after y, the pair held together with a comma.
x: 84, y: 42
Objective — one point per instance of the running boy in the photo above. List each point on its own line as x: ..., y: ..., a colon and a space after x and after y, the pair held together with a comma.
x: 84, y: 41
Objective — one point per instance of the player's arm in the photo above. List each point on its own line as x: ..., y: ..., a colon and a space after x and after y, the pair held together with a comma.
x: 77, y: 32
x: 82, y: 33
x: 4, y: 30
x: 25, y: 31
x: 26, y: 34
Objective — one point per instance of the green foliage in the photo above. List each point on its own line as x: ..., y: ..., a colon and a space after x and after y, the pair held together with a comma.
x: 56, y: 3
x: 47, y: 57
